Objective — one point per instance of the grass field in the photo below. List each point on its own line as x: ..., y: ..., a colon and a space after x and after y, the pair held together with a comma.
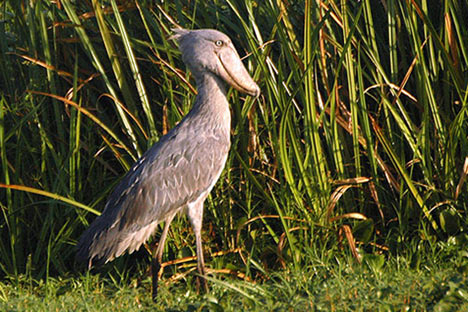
x: 345, y: 187
x: 378, y: 285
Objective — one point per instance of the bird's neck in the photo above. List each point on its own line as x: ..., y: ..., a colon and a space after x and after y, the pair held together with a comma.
x: 211, y: 99
x: 211, y: 90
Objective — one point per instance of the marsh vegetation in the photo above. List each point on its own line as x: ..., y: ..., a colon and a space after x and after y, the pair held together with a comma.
x: 346, y: 181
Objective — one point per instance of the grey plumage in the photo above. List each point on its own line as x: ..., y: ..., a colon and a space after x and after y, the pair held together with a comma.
x: 179, y: 171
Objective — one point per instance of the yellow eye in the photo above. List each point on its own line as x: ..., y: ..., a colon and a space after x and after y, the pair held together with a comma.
x: 219, y: 43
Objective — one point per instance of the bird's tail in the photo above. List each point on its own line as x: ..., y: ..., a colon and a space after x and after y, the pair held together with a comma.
x: 102, y: 242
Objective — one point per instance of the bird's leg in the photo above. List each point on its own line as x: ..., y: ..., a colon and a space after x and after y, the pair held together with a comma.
x: 157, y: 256
x: 195, y: 214
x: 201, y: 281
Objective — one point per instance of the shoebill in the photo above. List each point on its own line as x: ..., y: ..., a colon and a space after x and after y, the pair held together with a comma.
x: 178, y: 172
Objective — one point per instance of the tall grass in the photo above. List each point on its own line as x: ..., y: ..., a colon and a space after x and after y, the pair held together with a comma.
x: 357, y: 145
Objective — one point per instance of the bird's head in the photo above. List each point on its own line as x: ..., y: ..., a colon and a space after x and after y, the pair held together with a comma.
x: 210, y: 50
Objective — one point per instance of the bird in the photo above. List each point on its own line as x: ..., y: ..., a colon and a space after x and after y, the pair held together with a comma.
x: 178, y: 172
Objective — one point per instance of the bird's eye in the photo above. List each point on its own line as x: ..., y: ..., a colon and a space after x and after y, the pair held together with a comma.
x: 218, y: 43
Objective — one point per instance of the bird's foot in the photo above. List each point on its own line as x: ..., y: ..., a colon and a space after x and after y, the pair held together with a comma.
x: 155, y: 268
x: 202, y: 285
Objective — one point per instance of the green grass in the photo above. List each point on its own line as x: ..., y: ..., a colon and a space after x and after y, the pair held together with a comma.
x: 380, y: 284
x: 356, y: 149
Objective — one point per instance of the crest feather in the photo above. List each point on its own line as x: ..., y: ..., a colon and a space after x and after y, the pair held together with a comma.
x: 178, y: 33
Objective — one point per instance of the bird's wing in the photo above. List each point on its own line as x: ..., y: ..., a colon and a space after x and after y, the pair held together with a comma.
x: 168, y: 178
x: 174, y: 172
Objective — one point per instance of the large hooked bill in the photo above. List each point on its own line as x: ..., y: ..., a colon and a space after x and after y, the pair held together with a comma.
x: 234, y: 72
